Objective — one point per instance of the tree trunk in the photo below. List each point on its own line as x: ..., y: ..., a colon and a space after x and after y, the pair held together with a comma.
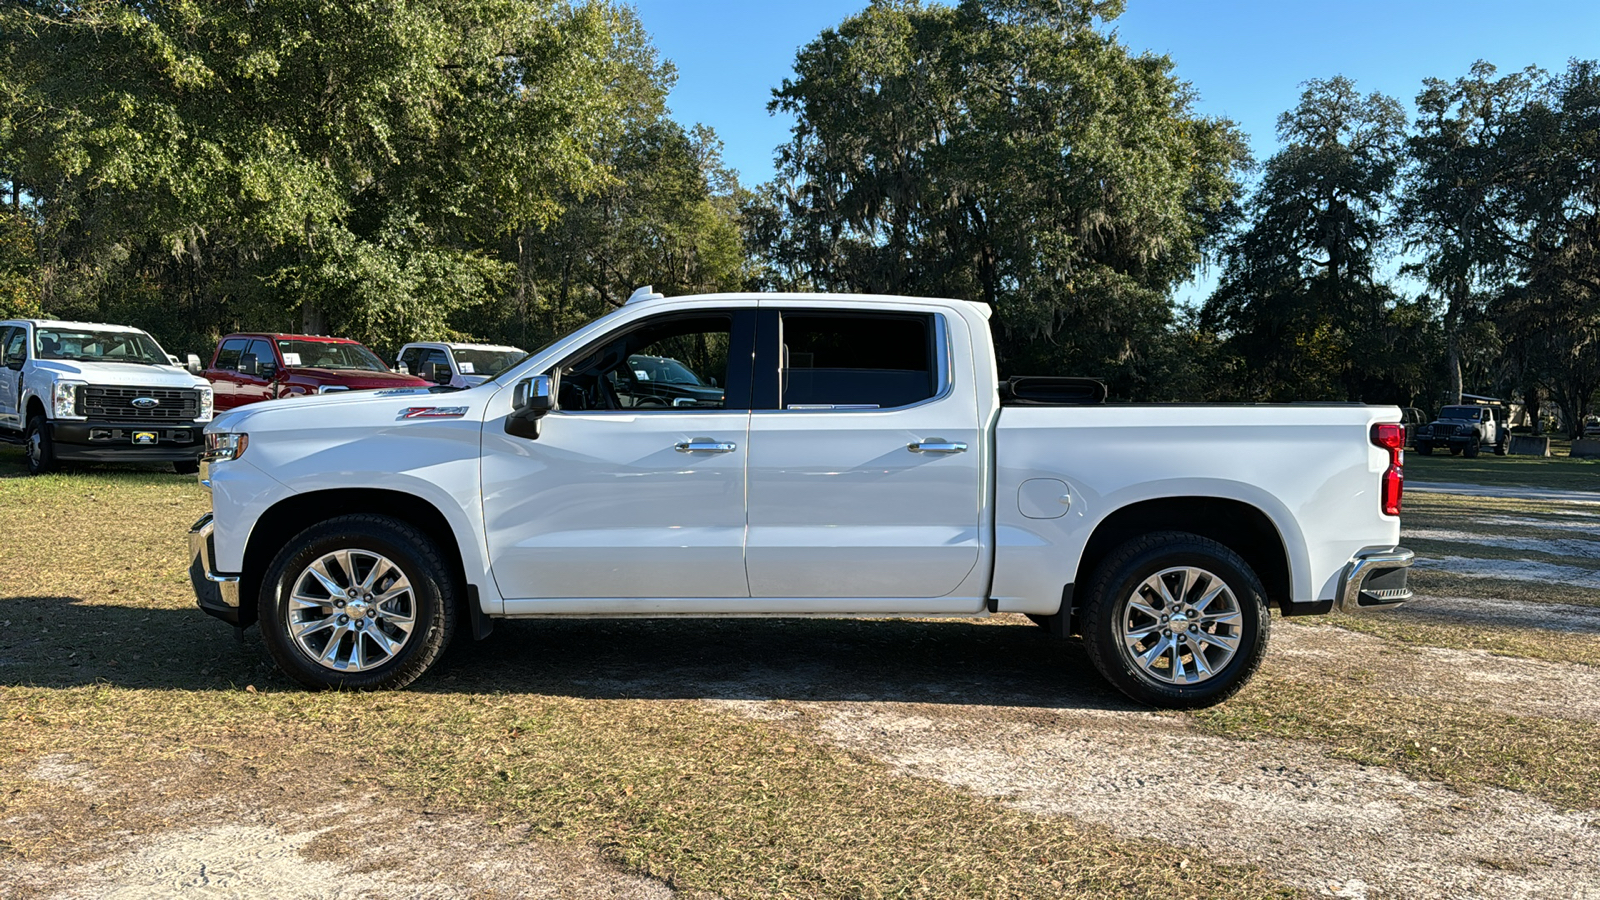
x: 312, y: 318
x: 1530, y: 407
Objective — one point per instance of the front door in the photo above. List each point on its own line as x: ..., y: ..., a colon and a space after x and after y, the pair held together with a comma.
x: 865, y: 479
x: 13, y: 352
x: 612, y: 500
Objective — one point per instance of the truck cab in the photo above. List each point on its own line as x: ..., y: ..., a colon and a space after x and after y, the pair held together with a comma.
x: 454, y: 364
x: 92, y: 392
x: 251, y: 367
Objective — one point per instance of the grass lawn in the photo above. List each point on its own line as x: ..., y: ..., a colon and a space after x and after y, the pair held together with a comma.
x: 600, y: 735
x: 1558, y: 471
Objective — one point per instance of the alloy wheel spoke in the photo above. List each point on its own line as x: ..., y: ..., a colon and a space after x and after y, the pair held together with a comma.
x: 388, y: 644
x: 330, y: 652
x: 319, y: 571
x: 312, y: 626
x: 1148, y: 658
x: 1231, y: 618
x: 1204, y: 602
x: 1139, y: 606
x: 401, y: 586
x: 357, y: 652
x: 380, y: 568
x: 1225, y: 641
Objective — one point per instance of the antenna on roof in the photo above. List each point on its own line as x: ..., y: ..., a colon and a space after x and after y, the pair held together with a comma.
x: 645, y: 293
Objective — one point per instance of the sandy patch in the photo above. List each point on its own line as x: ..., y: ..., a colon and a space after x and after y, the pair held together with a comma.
x: 345, y: 846
x: 1555, y: 546
x: 1509, y: 613
x: 1512, y: 570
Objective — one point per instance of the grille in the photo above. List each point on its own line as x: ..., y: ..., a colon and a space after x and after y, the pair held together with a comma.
x: 176, y: 404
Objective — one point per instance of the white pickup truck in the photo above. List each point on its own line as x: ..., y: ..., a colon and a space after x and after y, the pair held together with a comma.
x: 862, y: 458
x: 90, y: 392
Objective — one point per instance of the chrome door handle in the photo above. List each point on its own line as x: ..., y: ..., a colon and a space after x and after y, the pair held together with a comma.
x: 705, y: 445
x: 937, y: 445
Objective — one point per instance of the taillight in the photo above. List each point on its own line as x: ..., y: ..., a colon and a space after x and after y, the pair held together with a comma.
x: 1391, y: 437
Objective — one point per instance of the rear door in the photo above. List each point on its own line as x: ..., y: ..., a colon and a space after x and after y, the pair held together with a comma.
x: 865, y: 460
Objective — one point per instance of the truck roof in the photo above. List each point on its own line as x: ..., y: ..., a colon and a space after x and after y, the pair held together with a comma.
x: 641, y: 298
x: 276, y: 336
x: 457, y: 345
x: 62, y: 323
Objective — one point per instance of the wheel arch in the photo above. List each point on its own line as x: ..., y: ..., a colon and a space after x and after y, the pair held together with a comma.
x: 1241, y: 527
x: 297, y: 512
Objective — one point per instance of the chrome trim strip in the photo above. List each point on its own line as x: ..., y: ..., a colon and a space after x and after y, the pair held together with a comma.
x: 1348, y: 598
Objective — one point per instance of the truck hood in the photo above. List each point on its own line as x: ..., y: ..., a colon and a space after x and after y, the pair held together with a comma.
x: 358, y: 380
x: 343, y: 406
x: 119, y: 374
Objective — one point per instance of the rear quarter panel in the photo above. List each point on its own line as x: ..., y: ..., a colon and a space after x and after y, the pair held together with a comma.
x: 1311, y: 469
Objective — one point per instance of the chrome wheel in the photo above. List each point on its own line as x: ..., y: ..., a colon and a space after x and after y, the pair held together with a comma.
x: 351, y: 610
x: 1181, y: 625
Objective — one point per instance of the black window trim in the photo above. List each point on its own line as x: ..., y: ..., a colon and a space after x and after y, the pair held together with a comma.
x: 768, y: 381
x: 742, y: 333
x: 244, y: 344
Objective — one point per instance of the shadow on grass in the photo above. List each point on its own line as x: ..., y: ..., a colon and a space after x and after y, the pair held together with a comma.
x: 54, y: 641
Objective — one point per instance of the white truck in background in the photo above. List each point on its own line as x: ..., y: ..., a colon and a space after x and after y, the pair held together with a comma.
x: 861, y: 458
x: 454, y: 364
x: 90, y: 392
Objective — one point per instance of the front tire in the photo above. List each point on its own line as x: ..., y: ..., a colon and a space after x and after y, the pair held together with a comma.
x: 1471, y: 450
x: 363, y: 602
x: 1425, y: 448
x: 1176, y: 620
x: 186, y: 467
x: 39, y: 448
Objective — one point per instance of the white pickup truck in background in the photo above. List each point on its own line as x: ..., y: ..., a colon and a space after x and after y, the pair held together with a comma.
x: 861, y: 458
x: 89, y: 392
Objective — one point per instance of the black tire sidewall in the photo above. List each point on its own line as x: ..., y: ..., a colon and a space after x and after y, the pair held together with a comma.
x: 47, y: 450
x: 405, y: 546
x: 1122, y: 573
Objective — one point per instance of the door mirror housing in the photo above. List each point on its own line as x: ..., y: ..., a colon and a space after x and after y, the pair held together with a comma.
x: 248, y: 365
x: 531, y: 398
x: 193, y: 364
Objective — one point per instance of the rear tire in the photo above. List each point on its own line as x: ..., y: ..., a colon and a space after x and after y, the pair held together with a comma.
x: 1176, y: 620
x: 1425, y: 448
x: 183, y: 467
x: 362, y: 602
x: 1500, y: 447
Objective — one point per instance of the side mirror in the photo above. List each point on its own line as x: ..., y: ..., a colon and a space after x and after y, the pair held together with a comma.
x: 531, y: 398
x: 193, y: 364
x: 248, y: 365
x: 713, y: 382
x: 439, y: 373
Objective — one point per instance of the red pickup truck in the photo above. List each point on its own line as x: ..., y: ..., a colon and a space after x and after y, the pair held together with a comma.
x: 251, y: 367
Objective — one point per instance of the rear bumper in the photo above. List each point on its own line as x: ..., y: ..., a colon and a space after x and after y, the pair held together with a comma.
x: 97, y: 441
x: 215, y: 593
x: 1375, y: 578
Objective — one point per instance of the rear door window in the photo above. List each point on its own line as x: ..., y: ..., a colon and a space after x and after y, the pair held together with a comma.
x: 856, y: 361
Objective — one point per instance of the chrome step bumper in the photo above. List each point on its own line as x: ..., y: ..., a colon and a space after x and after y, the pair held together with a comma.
x: 1374, y: 579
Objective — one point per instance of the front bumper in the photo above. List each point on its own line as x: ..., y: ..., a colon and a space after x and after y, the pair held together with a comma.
x: 1374, y: 579
x: 217, y: 594
x: 113, y: 441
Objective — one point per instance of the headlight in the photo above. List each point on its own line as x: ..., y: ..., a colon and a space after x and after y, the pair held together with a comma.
x: 64, y: 399
x: 207, y: 403
x: 224, y: 446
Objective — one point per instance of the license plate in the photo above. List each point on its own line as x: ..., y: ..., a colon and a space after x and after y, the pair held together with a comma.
x: 144, y: 437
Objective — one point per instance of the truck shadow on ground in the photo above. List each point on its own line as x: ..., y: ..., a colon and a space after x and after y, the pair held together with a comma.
x: 59, y: 641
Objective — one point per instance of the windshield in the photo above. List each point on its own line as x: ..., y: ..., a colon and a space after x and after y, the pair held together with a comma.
x: 1461, y: 412
x: 330, y: 355
x: 478, y: 361
x: 661, y: 370
x: 100, y: 346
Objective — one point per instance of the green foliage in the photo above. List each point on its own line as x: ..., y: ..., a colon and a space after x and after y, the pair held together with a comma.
x: 339, y: 165
x: 1004, y: 152
x: 1300, y: 304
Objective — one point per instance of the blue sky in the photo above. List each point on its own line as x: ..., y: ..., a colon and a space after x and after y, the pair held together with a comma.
x: 1245, y: 58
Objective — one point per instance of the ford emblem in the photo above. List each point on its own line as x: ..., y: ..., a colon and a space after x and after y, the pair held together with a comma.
x: 146, y: 402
